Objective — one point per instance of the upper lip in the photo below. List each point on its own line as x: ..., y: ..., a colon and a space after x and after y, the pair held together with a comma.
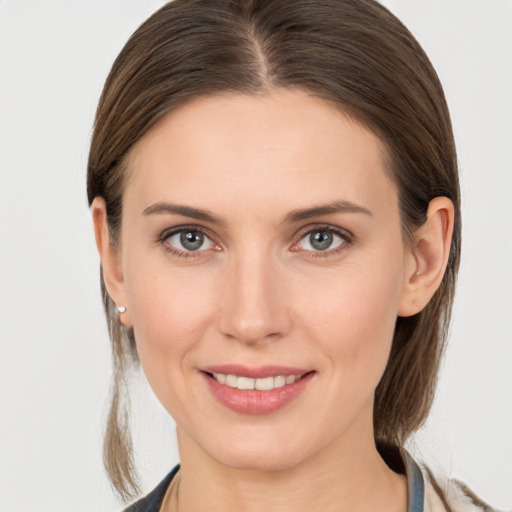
x: 254, y: 372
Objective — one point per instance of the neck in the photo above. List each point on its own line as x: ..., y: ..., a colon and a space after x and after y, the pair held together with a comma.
x: 347, y: 476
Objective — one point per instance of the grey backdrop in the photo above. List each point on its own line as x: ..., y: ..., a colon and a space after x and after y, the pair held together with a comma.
x: 54, y: 352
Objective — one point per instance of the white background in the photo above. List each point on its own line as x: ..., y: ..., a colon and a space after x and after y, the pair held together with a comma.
x: 54, y: 350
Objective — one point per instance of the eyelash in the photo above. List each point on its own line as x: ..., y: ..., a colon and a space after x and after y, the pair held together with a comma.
x: 162, y: 239
x: 346, y: 237
x: 347, y: 240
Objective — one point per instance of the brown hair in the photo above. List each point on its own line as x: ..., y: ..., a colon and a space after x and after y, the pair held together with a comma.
x: 353, y: 53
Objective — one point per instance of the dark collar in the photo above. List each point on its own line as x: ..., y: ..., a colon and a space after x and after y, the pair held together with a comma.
x: 415, y: 486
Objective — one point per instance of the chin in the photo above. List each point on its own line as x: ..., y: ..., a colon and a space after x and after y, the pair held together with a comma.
x: 259, y: 454
x: 257, y: 460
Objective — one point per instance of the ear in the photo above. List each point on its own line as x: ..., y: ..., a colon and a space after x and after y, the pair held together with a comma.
x: 427, y: 258
x: 110, y: 260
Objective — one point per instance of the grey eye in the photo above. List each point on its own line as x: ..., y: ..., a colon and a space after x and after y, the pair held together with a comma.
x: 190, y: 240
x: 320, y: 240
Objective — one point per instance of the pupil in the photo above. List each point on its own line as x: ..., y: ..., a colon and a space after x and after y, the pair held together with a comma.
x: 321, y: 240
x: 191, y: 240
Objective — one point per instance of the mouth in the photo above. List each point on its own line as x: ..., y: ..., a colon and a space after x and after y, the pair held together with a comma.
x: 260, y: 384
x: 256, y: 391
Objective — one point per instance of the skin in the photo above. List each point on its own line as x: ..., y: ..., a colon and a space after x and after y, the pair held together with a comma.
x: 258, y: 292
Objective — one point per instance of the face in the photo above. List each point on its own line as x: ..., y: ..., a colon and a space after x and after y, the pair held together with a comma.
x: 261, y: 247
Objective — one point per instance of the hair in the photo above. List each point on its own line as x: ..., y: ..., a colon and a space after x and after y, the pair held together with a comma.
x: 354, y: 54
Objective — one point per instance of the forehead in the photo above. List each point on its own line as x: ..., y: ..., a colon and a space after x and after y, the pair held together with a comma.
x: 275, y: 145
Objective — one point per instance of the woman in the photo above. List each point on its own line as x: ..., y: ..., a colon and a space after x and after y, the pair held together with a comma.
x: 276, y: 205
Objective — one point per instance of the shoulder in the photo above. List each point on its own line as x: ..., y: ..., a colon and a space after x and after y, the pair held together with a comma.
x: 152, y: 501
x: 449, y: 495
x: 429, y: 493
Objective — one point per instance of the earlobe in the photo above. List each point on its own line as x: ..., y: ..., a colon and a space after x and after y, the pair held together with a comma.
x: 428, y: 257
x: 110, y: 261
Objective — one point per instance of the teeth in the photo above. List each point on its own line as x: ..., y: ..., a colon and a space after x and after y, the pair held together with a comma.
x: 264, y: 384
x: 290, y: 379
x: 232, y: 380
x: 279, y: 382
x: 245, y: 383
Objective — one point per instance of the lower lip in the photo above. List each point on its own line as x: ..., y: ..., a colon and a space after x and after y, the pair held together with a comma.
x: 252, y: 401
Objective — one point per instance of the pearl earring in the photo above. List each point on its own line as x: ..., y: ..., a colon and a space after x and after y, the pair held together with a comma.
x: 121, y: 309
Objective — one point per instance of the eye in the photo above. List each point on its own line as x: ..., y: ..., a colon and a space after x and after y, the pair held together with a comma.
x: 189, y: 240
x: 321, y: 240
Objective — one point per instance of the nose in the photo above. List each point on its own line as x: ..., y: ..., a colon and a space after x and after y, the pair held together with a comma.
x: 254, y: 307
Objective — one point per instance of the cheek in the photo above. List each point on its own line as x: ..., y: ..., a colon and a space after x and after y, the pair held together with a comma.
x: 171, y: 309
x: 353, y: 319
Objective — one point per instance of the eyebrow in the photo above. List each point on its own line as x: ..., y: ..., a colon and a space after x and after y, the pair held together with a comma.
x: 328, y: 209
x: 184, y: 211
x: 291, y: 217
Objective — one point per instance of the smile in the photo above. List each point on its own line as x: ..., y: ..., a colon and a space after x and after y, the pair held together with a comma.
x: 262, y: 384
x: 256, y: 391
